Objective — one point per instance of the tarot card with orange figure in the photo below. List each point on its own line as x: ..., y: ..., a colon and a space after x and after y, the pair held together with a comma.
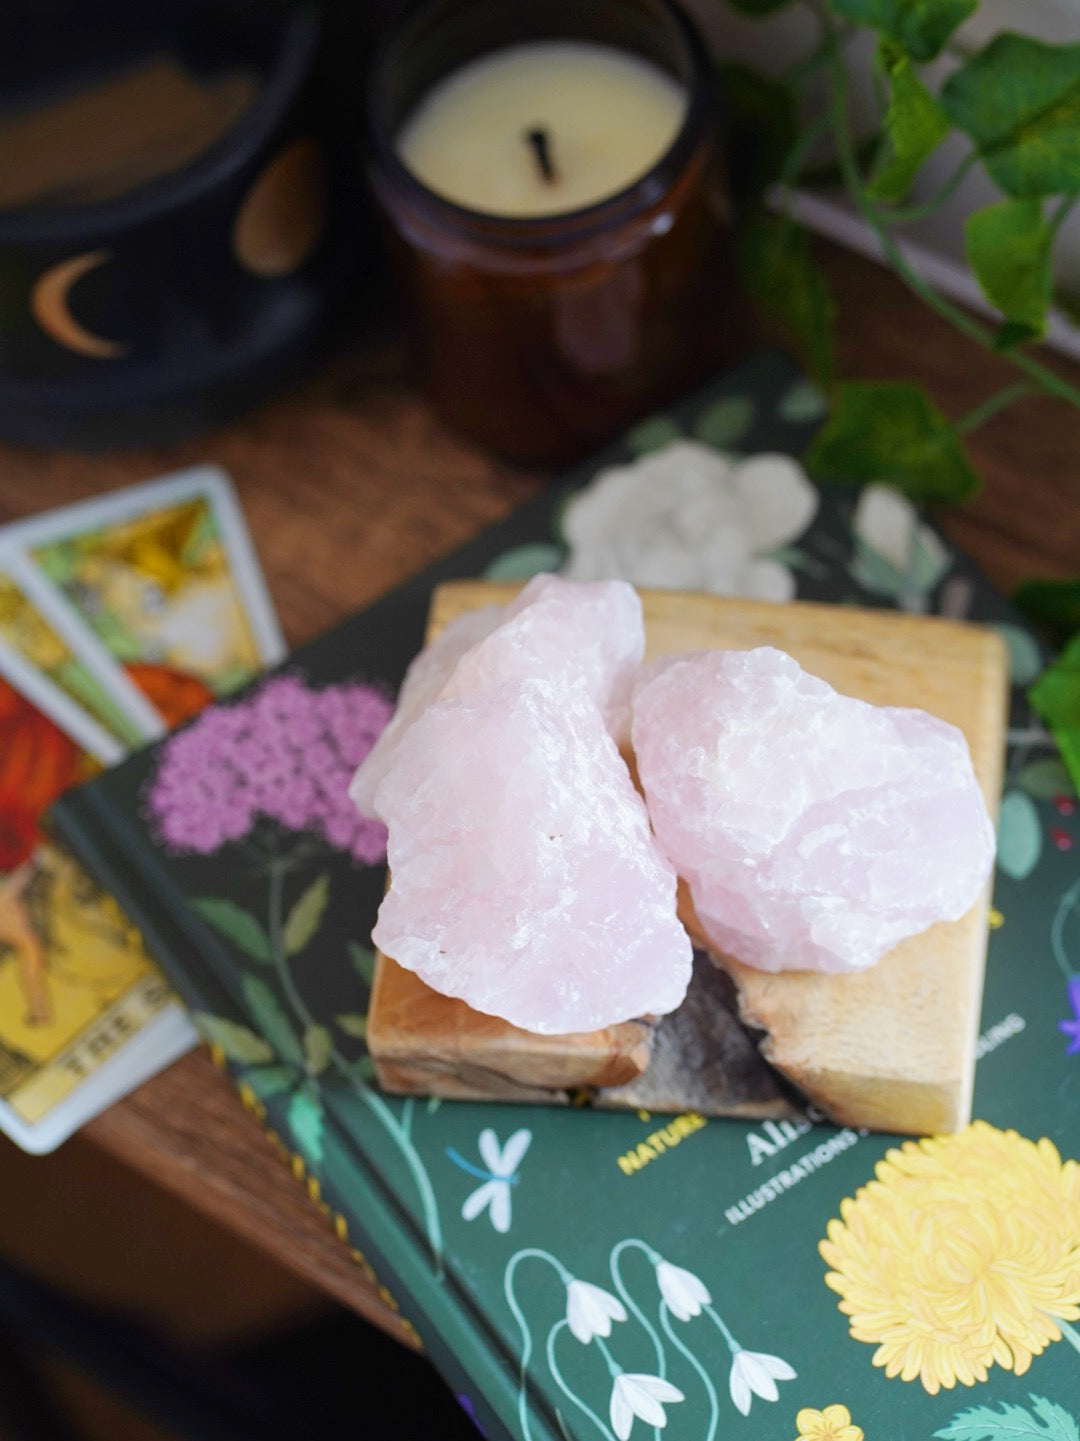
x: 165, y: 576
x: 84, y: 1016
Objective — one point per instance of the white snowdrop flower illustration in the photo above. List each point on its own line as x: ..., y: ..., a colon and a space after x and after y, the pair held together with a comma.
x: 684, y: 1293
x: 634, y: 1394
x: 590, y: 1310
x: 753, y: 1373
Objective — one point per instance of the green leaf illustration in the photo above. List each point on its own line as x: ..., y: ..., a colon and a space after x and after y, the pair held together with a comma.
x: 303, y: 920
x: 363, y: 960
x: 921, y: 27
x: 1008, y: 248
x: 361, y: 1070
x: 1056, y: 697
x: 1046, y: 779
x: 317, y: 1047
x: 781, y: 276
x: 1019, y: 100
x: 1025, y: 657
x: 522, y: 562
x: 236, y: 925
x: 353, y: 1026
x: 761, y: 123
x: 1046, y: 1421
x: 892, y: 431
x: 239, y: 1044
x: 268, y: 1081
x: 914, y: 126
x: 725, y: 421
x: 652, y: 434
x: 1052, y: 605
x: 271, y: 1020
x: 1019, y: 836
x: 802, y: 401
x: 306, y: 1122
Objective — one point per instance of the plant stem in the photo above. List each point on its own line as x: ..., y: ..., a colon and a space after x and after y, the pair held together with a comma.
x: 628, y: 1300
x: 907, y: 214
x: 793, y: 161
x: 706, y: 1380
x: 990, y: 407
x: 1044, y: 378
x: 375, y: 1103
x: 1061, y: 214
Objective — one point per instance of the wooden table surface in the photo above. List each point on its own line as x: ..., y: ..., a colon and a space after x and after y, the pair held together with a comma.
x: 350, y: 484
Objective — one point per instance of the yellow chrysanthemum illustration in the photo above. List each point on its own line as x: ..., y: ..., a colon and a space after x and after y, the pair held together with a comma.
x: 965, y: 1251
x: 832, y: 1424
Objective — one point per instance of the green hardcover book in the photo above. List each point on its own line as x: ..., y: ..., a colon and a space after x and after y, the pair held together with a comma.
x: 586, y: 1274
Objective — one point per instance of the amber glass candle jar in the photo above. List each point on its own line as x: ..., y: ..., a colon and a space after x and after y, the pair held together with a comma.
x: 540, y: 335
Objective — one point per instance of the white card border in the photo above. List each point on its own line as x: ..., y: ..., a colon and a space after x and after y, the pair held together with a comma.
x: 118, y: 506
x: 82, y: 728
x: 163, y: 1039
x: 80, y: 640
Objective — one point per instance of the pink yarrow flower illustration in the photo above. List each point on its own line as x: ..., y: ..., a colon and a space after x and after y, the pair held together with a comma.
x: 286, y: 753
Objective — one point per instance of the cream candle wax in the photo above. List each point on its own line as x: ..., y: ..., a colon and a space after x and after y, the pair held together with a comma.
x: 551, y: 178
x: 542, y: 129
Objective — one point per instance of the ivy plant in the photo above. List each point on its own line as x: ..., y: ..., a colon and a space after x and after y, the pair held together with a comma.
x: 1016, y: 102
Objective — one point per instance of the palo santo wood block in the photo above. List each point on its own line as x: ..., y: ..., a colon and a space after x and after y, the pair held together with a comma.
x: 891, y: 1048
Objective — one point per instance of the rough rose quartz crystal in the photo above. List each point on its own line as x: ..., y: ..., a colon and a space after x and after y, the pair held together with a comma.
x: 572, y: 633
x: 525, y: 878
x: 814, y: 831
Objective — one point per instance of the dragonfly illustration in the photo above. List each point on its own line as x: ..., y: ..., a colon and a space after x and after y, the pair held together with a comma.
x: 501, y: 1164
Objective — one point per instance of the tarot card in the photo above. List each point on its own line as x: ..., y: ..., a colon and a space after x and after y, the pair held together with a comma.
x: 84, y: 1016
x: 56, y: 642
x: 166, y: 577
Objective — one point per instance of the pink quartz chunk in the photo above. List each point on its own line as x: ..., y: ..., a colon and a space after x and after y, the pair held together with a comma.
x: 424, y: 679
x: 574, y: 633
x: 815, y: 831
x: 524, y: 876
x: 571, y: 632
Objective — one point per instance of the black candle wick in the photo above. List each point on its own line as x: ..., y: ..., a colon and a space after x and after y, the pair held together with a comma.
x: 540, y: 141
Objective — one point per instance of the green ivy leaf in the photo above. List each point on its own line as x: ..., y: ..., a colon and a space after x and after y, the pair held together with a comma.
x: 236, y: 925
x: 239, y: 1044
x: 761, y: 124
x: 781, y: 275
x: 303, y: 920
x: 1019, y: 836
x: 353, y: 1026
x: 1046, y: 1421
x: 1056, y: 697
x: 892, y: 431
x: 306, y: 1122
x: 268, y: 1081
x: 317, y: 1048
x: 1019, y: 100
x: 363, y: 961
x: 1008, y: 248
x: 914, y: 126
x: 271, y: 1020
x: 1052, y: 605
x: 921, y: 27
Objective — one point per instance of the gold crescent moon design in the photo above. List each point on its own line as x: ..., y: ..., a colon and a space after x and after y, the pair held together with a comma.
x: 50, y: 306
x: 281, y: 218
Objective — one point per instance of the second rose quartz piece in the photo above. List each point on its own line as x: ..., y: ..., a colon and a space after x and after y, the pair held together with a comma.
x: 815, y: 831
x: 525, y: 878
